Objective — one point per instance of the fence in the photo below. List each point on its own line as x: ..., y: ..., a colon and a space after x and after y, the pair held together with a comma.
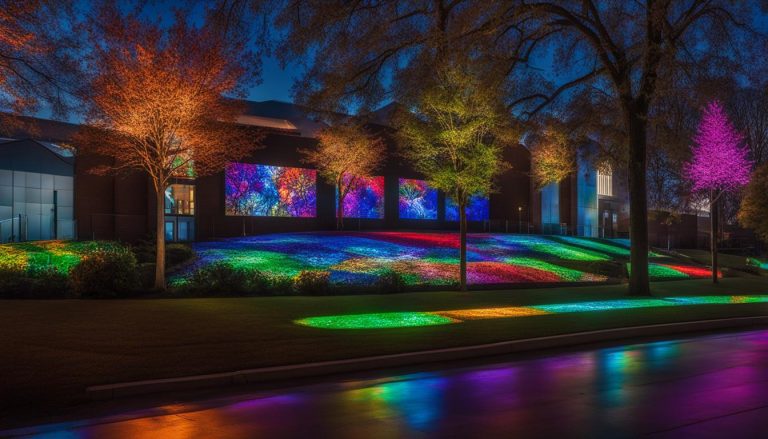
x: 25, y: 227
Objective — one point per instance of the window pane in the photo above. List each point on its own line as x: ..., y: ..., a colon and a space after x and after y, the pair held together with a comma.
x: 169, y: 230
x: 180, y: 199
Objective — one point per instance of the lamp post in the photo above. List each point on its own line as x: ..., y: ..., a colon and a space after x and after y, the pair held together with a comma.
x: 519, y: 219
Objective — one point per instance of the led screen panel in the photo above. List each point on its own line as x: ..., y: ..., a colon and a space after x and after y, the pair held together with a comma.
x: 261, y: 190
x: 477, y: 209
x: 365, y: 198
x: 417, y: 200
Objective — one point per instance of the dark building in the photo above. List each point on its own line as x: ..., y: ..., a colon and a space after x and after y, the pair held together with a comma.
x: 36, y: 181
x: 273, y: 190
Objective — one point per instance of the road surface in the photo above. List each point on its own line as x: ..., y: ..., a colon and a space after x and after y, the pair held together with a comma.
x: 708, y: 386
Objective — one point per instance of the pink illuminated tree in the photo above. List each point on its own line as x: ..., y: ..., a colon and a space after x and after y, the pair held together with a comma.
x: 718, y: 164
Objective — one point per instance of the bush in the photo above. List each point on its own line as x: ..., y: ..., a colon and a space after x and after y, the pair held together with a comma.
x: 219, y: 278
x: 280, y: 285
x: 49, y: 282
x: 105, y: 273
x: 391, y: 281
x: 176, y: 254
x: 312, y: 282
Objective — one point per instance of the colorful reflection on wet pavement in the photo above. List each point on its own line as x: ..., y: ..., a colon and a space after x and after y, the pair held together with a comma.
x: 714, y: 386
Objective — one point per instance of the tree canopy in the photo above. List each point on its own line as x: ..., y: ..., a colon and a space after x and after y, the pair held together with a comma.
x: 344, y: 154
x: 155, y: 100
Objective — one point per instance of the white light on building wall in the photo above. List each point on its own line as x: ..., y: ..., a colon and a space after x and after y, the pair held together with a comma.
x: 604, y: 182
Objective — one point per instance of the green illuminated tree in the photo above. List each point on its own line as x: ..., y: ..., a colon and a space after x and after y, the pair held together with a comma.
x: 552, y: 156
x: 455, y: 136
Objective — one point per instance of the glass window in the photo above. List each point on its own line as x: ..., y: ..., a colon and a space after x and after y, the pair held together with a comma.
x: 604, y: 182
x: 180, y: 199
x: 169, y: 230
x: 183, y: 231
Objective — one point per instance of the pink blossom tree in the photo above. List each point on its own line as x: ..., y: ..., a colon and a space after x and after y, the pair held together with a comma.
x: 718, y: 164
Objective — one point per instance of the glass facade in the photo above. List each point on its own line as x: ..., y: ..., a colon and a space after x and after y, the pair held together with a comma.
x: 180, y: 199
x: 44, y: 202
x: 605, y: 182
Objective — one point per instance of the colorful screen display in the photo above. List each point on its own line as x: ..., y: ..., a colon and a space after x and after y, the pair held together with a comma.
x: 477, y: 209
x: 365, y: 198
x: 261, y: 190
x: 417, y: 200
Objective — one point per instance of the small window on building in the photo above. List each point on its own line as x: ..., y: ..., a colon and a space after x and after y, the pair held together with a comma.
x: 180, y: 199
x: 604, y: 182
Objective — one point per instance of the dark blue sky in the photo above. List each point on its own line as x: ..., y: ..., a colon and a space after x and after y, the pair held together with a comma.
x: 276, y: 82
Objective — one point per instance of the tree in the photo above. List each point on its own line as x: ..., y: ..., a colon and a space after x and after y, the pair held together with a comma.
x: 552, y: 157
x: 37, y: 55
x: 615, y: 55
x: 344, y: 155
x: 455, y: 136
x: 754, y: 205
x: 155, y: 101
x: 719, y: 164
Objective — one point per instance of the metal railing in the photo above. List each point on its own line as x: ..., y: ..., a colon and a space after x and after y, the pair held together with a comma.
x: 17, y: 229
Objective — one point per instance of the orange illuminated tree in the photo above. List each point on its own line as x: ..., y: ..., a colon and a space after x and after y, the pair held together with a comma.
x: 155, y: 101
x: 37, y: 56
x: 344, y: 155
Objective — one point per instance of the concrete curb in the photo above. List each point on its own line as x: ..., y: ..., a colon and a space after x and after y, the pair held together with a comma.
x: 276, y: 373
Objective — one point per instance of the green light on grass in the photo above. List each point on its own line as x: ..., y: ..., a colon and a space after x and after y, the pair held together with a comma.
x: 596, y: 245
x: 658, y: 271
x: 376, y: 320
x: 406, y: 319
x: 567, y: 274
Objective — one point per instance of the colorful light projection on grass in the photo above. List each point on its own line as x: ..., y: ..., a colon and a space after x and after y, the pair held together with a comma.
x: 261, y: 190
x: 596, y: 245
x: 432, y: 318
x: 417, y: 200
x: 757, y: 263
x: 357, y: 258
x: 477, y: 209
x: 59, y: 255
x: 365, y: 198
x: 676, y: 271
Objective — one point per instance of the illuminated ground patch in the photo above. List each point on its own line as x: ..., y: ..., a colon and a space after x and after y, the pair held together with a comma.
x: 377, y: 320
x: 59, y: 255
x: 360, y: 258
x: 676, y: 271
x: 430, y: 318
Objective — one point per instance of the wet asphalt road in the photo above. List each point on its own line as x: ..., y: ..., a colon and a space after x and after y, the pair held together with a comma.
x: 707, y: 386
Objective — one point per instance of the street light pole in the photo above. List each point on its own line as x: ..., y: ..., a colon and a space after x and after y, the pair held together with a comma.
x: 519, y: 219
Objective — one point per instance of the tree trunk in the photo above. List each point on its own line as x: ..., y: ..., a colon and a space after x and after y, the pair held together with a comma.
x: 713, y: 225
x: 160, y: 243
x: 339, y: 208
x: 462, y: 248
x: 638, y: 204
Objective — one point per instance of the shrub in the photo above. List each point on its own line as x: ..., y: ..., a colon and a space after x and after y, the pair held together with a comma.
x: 49, y: 282
x: 219, y: 278
x: 176, y: 254
x: 105, y: 272
x: 312, y: 282
x: 391, y: 281
x: 280, y: 285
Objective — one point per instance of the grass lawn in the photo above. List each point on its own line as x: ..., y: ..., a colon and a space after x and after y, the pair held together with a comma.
x: 724, y: 260
x: 425, y: 258
x: 50, y: 351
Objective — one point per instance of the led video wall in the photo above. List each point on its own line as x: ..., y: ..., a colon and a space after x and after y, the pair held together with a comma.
x: 417, y: 200
x: 477, y: 209
x: 261, y: 190
x: 365, y: 199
